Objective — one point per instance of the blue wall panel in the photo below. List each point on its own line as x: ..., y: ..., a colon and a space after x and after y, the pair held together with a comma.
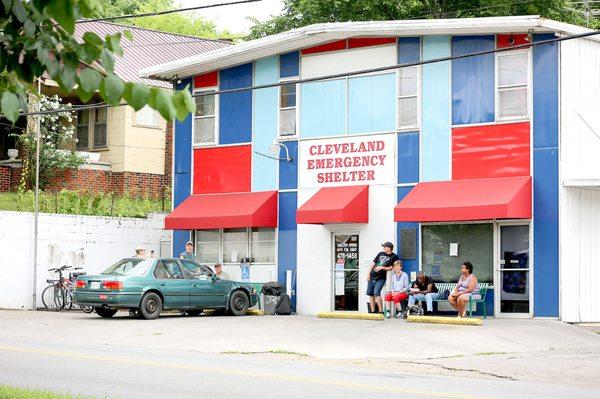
x: 372, y: 104
x: 408, y: 157
x: 545, y: 93
x: 473, y: 85
x: 264, y: 170
x: 289, y: 64
x: 545, y: 178
x: 182, y: 167
x: 287, y: 238
x: 410, y: 265
x: 323, y: 109
x: 288, y: 171
x: 235, y: 109
x: 435, y: 140
x: 409, y: 49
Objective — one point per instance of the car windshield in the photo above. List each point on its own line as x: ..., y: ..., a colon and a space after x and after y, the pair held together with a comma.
x: 133, y: 267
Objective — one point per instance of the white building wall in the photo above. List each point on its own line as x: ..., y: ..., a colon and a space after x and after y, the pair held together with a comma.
x: 580, y: 181
x: 97, y: 242
x: 315, y: 250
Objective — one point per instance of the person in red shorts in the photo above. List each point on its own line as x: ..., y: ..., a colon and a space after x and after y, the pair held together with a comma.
x: 399, y: 290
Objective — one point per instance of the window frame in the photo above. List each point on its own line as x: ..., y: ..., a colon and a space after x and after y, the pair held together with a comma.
x: 505, y: 88
x: 215, y: 116
x: 417, y: 96
x: 91, y: 129
x: 285, y: 81
x: 221, y: 255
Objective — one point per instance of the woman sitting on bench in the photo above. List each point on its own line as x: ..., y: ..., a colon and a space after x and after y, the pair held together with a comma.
x: 466, y: 288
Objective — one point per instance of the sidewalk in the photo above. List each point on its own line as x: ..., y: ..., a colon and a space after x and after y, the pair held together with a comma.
x: 533, y: 350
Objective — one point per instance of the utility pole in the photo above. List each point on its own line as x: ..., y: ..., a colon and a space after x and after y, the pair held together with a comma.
x: 38, y: 136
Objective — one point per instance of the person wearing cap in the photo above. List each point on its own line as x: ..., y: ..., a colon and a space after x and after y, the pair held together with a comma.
x: 376, y: 277
x: 220, y: 273
x: 189, y: 251
x: 140, y: 252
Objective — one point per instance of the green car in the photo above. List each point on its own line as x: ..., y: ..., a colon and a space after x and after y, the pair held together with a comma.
x: 149, y: 286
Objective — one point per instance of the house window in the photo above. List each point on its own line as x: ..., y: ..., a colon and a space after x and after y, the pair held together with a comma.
x: 231, y: 245
x: 147, y: 117
x: 92, y: 131
x: 513, y: 79
x: 204, y: 118
x: 287, y: 110
x: 408, y: 97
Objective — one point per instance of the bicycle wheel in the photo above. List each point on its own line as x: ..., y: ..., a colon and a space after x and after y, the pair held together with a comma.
x: 68, y: 302
x: 86, y: 308
x: 59, y: 298
x: 48, y: 297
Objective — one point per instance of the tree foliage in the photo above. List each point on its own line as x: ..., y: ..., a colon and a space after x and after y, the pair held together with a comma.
x: 37, y: 36
x: 179, y: 23
x: 298, y: 13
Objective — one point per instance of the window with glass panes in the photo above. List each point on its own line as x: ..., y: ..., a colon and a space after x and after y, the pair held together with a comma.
x: 92, y: 129
x: 287, y: 109
x: 513, y: 82
x: 204, y: 118
x: 408, y: 97
x: 147, y: 117
x: 231, y: 245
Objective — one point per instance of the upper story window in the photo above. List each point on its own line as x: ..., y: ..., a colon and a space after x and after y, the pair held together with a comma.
x: 513, y: 84
x: 205, y: 117
x: 408, y: 97
x: 287, y: 109
x: 92, y: 131
x: 147, y: 117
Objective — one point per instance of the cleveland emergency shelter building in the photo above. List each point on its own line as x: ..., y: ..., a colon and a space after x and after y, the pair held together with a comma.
x: 491, y: 159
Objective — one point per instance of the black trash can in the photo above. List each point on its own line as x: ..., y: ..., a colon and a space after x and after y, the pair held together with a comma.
x: 271, y: 293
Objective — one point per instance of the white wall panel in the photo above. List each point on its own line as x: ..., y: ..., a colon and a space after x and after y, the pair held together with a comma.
x: 315, y: 259
x: 580, y: 112
x: 322, y: 64
x: 580, y: 255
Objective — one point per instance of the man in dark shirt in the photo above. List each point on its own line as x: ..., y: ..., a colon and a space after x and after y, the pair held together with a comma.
x: 423, y: 289
x: 382, y: 263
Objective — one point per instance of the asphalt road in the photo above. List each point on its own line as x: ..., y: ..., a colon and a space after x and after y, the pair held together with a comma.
x: 114, y: 370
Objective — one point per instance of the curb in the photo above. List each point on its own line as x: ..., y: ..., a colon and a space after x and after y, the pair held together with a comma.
x: 444, y: 320
x: 351, y: 315
x: 251, y: 312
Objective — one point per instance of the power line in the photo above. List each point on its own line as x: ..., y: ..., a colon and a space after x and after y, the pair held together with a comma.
x: 155, y: 13
x: 354, y: 73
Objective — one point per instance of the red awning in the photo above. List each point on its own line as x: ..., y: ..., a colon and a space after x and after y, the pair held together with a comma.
x: 348, y: 204
x: 471, y: 199
x: 213, y: 211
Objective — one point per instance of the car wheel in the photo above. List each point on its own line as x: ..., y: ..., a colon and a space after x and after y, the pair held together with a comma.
x: 150, y: 306
x: 238, y: 303
x: 106, y: 313
x: 193, y: 312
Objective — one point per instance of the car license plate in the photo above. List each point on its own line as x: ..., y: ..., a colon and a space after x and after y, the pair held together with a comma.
x: 94, y: 285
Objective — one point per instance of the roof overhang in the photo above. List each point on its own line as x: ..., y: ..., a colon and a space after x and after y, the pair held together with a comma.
x: 320, y: 33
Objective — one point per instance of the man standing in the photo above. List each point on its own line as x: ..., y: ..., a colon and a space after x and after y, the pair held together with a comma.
x: 382, y: 263
x: 189, y: 251
x: 220, y: 273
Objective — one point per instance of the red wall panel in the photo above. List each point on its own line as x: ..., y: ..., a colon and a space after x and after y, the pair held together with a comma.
x: 491, y: 151
x: 504, y: 40
x: 331, y: 46
x: 209, y: 79
x: 222, y: 169
x: 370, y: 41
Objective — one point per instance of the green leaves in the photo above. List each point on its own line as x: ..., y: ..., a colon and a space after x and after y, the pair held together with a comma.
x: 184, y: 103
x: 162, y: 101
x: 136, y: 95
x: 64, y: 13
x: 10, y: 106
x: 112, y: 89
x: 108, y: 60
x: 89, y: 80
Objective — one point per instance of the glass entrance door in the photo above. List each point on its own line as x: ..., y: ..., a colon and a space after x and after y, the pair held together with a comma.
x: 514, y: 296
x: 345, y: 271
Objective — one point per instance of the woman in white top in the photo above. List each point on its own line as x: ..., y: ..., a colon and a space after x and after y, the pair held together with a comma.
x: 466, y: 288
x: 399, y: 289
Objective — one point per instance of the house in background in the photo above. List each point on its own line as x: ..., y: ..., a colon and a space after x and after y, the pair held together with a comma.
x: 127, y: 151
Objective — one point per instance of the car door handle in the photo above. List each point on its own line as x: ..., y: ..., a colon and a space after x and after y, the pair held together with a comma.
x: 163, y: 284
x: 194, y: 285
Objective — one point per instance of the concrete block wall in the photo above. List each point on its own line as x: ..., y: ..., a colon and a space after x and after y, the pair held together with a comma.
x: 97, y: 241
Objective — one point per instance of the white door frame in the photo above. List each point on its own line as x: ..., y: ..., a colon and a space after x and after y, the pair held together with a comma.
x: 497, y: 271
x: 332, y: 266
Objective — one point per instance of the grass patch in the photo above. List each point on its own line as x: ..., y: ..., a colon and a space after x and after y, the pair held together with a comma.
x: 10, y: 392
x: 85, y: 203
x: 490, y: 353
x: 274, y: 351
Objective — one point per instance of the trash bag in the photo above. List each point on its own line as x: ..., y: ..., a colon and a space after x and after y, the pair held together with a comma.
x: 284, y: 305
x: 273, y: 288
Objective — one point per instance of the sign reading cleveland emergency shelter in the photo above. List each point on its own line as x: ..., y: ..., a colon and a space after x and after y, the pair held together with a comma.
x: 347, y: 161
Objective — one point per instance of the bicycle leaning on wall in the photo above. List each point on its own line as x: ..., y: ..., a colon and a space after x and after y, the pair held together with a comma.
x: 58, y: 294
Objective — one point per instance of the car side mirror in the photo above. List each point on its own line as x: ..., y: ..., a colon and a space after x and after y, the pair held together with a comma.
x: 214, y: 278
